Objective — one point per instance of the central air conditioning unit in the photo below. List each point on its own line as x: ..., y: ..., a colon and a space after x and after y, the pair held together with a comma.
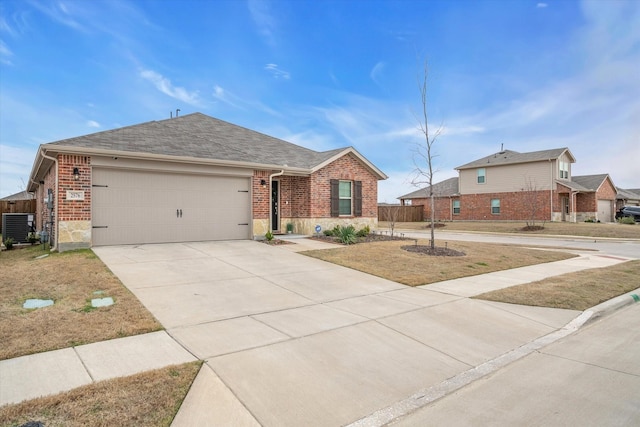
x: 17, y: 226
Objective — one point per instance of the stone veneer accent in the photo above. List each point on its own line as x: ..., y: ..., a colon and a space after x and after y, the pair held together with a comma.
x: 74, y: 235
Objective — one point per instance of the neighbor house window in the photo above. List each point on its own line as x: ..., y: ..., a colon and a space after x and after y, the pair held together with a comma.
x: 481, y: 176
x: 495, y: 206
x: 456, y: 207
x: 346, y: 198
x: 564, y: 169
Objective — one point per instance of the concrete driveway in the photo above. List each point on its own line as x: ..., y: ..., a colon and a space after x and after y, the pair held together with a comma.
x: 291, y: 340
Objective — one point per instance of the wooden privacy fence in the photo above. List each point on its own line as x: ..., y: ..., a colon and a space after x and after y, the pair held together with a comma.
x: 414, y: 213
x: 17, y: 206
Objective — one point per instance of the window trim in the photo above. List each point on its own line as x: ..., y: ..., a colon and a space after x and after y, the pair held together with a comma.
x: 454, y: 207
x: 356, y: 198
x: 483, y: 176
x: 493, y: 212
x: 341, y: 198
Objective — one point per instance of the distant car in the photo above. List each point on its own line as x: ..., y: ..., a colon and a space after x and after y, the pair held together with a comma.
x: 631, y: 211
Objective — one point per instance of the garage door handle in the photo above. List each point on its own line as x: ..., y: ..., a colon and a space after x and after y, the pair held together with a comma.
x: 178, y: 213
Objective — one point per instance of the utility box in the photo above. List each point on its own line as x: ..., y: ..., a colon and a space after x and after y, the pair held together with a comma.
x: 17, y: 226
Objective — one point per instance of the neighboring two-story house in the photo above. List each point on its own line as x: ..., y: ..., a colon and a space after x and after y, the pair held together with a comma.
x: 520, y: 186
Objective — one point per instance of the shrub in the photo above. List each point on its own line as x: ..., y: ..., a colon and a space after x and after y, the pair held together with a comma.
x: 328, y: 233
x: 364, y: 232
x: 269, y: 236
x: 627, y: 220
x: 8, y: 243
x: 347, y: 235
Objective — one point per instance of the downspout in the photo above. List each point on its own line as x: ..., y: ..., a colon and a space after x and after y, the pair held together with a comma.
x: 270, y: 194
x: 55, y: 198
x: 551, y: 191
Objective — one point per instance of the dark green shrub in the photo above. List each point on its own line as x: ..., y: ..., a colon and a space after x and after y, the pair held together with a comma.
x: 8, y: 243
x: 347, y: 235
x: 364, y: 232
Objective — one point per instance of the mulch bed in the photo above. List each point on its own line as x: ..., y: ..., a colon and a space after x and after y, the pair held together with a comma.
x: 368, y: 239
x: 436, y: 251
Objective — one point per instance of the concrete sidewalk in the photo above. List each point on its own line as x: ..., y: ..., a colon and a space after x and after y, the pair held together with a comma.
x: 291, y: 340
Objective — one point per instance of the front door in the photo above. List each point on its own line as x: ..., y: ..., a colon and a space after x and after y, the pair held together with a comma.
x: 275, y: 206
x: 565, y: 208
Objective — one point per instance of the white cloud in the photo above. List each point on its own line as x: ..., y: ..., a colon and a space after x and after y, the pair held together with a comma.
x: 5, y: 53
x: 93, y: 124
x: 277, y: 72
x: 261, y: 14
x: 376, y: 72
x: 164, y: 85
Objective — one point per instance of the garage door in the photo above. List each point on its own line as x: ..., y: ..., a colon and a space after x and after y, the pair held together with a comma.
x: 131, y: 207
x: 605, y: 210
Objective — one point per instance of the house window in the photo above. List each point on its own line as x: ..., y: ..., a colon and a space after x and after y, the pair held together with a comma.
x: 481, y: 176
x: 456, y: 207
x: 495, y: 206
x: 564, y: 169
x: 344, y: 195
x: 346, y: 198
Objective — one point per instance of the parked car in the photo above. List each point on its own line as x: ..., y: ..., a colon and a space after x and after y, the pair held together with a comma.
x: 632, y: 211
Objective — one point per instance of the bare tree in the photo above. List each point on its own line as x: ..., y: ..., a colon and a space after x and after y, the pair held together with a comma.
x: 533, y: 202
x: 390, y: 213
x: 423, y: 156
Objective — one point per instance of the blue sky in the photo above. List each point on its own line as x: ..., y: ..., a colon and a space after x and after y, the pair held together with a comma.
x: 531, y: 75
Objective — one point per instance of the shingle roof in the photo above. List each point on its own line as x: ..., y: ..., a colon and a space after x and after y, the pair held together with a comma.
x: 585, y: 183
x: 628, y: 194
x: 23, y: 195
x: 507, y: 157
x: 200, y: 136
x: 448, y: 187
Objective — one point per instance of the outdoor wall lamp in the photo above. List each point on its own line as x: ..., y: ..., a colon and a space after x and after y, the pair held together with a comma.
x: 263, y: 182
x: 76, y: 174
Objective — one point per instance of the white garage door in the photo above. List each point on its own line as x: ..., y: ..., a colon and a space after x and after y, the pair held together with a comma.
x: 605, y: 210
x: 131, y: 207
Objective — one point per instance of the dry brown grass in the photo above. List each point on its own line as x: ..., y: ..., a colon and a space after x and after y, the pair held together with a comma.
x: 70, y: 279
x: 585, y: 229
x: 574, y: 291
x: 147, y: 399
x: 388, y: 260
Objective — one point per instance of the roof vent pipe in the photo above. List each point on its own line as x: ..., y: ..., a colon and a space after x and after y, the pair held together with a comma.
x: 177, y: 111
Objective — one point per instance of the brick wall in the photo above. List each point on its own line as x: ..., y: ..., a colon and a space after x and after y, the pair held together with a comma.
x: 443, y: 208
x: 74, y: 210
x: 348, y: 168
x: 519, y: 206
x: 260, y: 195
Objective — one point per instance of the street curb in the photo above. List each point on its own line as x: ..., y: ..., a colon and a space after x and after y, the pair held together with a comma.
x: 431, y: 394
x: 609, y: 307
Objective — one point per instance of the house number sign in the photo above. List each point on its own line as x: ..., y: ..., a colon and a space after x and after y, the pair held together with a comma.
x: 75, y: 195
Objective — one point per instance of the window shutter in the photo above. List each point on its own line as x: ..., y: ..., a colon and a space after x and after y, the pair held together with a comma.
x: 357, y: 198
x: 335, y: 197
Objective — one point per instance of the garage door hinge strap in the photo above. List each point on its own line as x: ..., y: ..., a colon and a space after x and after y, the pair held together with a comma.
x: 245, y: 223
x: 97, y: 185
x: 243, y: 191
x: 100, y: 226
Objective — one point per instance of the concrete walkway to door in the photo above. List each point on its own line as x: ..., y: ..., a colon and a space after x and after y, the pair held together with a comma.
x: 292, y: 340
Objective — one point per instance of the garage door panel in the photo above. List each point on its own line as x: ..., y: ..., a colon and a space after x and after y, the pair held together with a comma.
x: 155, y: 207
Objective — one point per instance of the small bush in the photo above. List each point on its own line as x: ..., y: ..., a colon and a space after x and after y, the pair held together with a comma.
x: 364, y: 232
x: 328, y: 233
x: 8, y: 243
x: 627, y: 220
x: 347, y: 235
x: 269, y: 236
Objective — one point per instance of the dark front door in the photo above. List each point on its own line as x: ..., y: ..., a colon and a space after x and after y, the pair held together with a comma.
x: 275, y: 206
